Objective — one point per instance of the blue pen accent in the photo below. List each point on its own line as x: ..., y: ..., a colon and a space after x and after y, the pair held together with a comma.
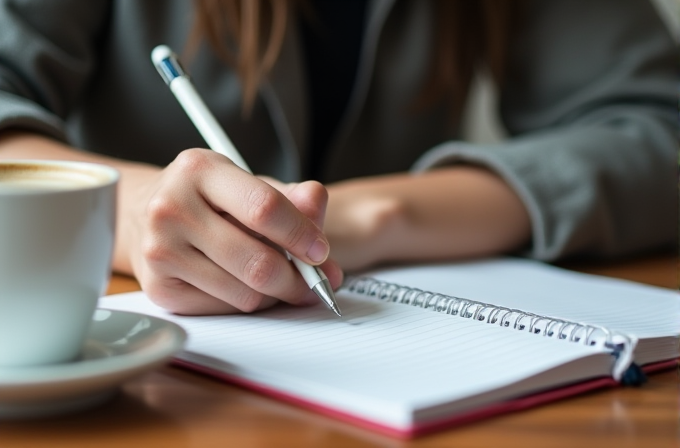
x: 170, y: 69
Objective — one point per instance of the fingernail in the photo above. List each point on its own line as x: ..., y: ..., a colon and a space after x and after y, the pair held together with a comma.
x: 318, y: 251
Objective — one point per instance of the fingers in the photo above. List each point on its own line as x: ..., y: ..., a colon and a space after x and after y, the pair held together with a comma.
x: 282, y: 213
x: 201, y: 279
x: 194, y: 301
x: 259, y: 207
x: 250, y: 261
x: 201, y: 287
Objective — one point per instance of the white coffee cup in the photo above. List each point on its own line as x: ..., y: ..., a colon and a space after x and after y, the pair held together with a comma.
x: 57, y: 226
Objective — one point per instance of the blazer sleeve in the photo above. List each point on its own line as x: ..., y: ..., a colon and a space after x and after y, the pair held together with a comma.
x: 591, y: 105
x: 47, y: 52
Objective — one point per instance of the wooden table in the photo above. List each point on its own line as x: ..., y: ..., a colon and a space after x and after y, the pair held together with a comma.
x: 170, y: 407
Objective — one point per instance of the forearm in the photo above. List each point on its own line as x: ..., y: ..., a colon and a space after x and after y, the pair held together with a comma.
x: 455, y: 212
x: 20, y: 145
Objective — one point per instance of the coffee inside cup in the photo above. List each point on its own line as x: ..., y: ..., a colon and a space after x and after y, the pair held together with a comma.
x: 17, y: 177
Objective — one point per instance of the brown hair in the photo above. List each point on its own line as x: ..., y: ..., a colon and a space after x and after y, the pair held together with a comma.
x: 469, y: 33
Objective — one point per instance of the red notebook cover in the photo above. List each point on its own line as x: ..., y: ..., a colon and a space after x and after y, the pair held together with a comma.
x: 446, y: 422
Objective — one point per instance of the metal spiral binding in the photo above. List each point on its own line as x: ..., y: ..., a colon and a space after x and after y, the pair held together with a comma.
x: 587, y: 334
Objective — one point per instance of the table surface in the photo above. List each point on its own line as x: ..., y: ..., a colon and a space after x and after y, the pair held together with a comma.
x: 170, y: 407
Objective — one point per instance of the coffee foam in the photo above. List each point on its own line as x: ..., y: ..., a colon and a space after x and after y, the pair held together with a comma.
x: 26, y: 176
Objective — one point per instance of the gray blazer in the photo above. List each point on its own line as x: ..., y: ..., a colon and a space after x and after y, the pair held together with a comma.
x: 590, y: 106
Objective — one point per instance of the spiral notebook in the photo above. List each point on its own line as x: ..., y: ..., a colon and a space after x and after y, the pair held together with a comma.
x: 424, y: 348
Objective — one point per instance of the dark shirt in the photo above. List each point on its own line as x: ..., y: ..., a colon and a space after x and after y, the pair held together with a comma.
x: 332, y: 43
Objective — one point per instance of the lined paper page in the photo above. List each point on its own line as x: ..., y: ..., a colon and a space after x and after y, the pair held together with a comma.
x: 633, y: 308
x: 381, y: 361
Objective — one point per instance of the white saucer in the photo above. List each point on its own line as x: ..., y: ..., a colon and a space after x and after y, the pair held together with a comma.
x: 120, y: 345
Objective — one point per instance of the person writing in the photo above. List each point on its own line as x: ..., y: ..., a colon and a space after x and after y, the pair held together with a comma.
x: 349, y: 112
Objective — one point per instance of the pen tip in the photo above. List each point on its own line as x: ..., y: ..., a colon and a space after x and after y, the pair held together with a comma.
x: 325, y: 292
x: 336, y: 309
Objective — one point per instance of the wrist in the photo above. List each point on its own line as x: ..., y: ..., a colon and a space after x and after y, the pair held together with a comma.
x: 134, y: 192
x: 362, y: 224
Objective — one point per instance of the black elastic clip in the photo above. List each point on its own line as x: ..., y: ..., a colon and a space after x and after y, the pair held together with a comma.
x: 633, y: 376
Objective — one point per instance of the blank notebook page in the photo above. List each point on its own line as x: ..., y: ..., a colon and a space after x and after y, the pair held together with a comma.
x: 380, y: 361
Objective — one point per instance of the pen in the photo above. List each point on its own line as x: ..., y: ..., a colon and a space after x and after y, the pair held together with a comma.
x: 181, y: 86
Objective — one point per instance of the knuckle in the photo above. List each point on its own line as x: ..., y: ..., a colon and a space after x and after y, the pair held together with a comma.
x: 160, y: 209
x: 192, y: 160
x: 155, y: 252
x: 262, y: 205
x: 260, y: 270
x: 249, y: 301
x: 320, y: 189
x: 162, y: 296
x: 159, y: 299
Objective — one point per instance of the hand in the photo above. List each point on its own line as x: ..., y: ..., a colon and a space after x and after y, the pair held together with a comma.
x: 205, y: 237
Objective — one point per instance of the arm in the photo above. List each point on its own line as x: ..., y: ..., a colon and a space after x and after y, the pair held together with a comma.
x: 590, y: 102
x: 453, y: 212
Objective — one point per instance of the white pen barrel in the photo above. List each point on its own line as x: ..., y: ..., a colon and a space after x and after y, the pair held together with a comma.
x: 311, y: 274
x: 205, y: 121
